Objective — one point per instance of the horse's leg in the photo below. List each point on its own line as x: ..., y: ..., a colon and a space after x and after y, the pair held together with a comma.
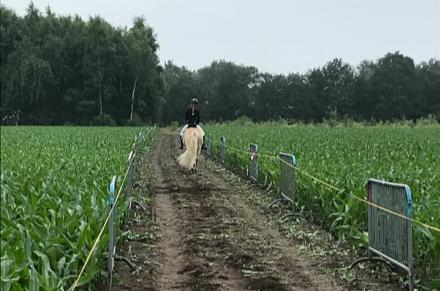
x: 199, y: 149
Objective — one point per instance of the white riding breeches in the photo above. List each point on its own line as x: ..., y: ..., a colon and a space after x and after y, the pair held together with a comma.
x: 182, y: 131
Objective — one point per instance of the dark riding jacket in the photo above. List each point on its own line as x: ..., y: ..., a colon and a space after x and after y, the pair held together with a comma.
x: 192, y: 117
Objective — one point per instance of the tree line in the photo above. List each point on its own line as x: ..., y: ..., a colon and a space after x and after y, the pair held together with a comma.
x: 391, y: 88
x: 64, y: 70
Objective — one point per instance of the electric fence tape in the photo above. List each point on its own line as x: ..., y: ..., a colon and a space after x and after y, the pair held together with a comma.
x: 92, y: 250
x: 340, y: 190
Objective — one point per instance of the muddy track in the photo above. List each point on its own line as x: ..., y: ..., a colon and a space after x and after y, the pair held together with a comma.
x: 208, y: 238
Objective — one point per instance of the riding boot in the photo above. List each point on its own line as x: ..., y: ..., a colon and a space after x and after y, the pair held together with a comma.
x: 181, y: 143
x: 204, y: 147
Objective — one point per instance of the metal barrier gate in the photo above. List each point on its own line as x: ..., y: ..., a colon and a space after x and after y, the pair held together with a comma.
x: 253, y: 167
x: 390, y: 236
x: 222, y: 149
x: 287, y: 176
x: 287, y: 181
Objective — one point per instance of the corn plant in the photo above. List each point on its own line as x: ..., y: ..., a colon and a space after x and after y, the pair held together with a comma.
x: 54, y: 200
x: 347, y: 158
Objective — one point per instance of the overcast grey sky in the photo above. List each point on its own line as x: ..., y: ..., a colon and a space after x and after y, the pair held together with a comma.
x: 275, y: 36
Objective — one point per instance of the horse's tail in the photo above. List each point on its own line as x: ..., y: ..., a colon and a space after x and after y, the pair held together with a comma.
x: 189, y: 157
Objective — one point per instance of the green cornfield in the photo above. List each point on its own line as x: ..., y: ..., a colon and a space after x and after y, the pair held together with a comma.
x: 347, y: 157
x: 54, y: 196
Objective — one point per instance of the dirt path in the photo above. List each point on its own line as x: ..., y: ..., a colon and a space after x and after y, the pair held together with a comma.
x: 208, y: 238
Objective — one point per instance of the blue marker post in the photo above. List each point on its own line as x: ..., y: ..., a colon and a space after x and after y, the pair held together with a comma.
x: 111, y: 228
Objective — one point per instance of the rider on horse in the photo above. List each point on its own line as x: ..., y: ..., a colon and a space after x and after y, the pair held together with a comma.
x: 192, y: 119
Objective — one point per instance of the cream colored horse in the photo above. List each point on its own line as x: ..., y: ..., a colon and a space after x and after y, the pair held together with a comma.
x: 193, y: 141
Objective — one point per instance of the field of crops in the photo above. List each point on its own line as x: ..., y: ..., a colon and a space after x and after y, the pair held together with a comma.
x: 347, y: 158
x: 54, y: 200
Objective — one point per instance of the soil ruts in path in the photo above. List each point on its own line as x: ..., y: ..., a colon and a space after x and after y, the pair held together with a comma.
x: 208, y: 238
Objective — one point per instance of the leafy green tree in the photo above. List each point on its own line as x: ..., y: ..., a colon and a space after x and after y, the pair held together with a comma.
x: 271, y: 97
x: 393, y: 87
x: 338, y: 87
x: 363, y: 102
x: 181, y: 87
x: 28, y: 79
x: 98, y: 61
x: 429, y: 94
x: 226, y: 89
x: 297, y: 106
